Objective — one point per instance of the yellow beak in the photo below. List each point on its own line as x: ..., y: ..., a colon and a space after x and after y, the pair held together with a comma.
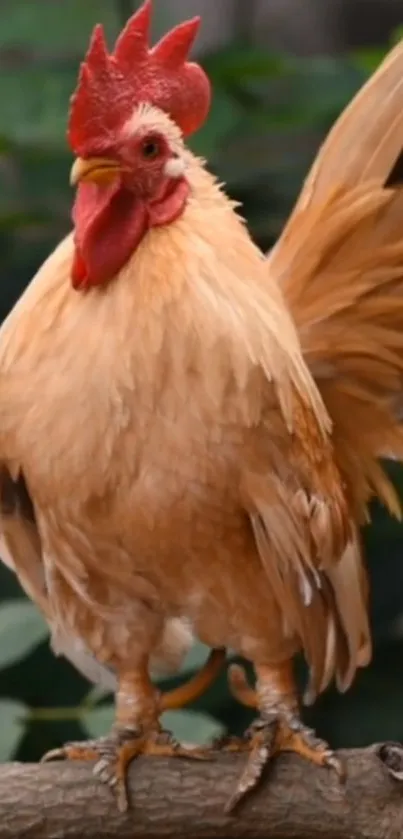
x: 98, y: 170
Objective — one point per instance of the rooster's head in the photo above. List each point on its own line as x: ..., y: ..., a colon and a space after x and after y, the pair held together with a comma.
x: 129, y: 116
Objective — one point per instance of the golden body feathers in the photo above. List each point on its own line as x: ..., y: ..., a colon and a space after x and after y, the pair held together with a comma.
x: 200, y: 439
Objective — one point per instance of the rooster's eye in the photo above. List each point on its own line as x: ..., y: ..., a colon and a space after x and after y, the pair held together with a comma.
x: 150, y: 149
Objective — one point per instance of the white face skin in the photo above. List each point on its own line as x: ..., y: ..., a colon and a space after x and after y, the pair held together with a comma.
x: 147, y: 120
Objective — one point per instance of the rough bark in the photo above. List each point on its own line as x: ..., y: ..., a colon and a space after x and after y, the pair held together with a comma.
x: 185, y: 799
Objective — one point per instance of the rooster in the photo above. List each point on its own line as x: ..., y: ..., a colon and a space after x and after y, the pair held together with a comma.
x: 166, y: 453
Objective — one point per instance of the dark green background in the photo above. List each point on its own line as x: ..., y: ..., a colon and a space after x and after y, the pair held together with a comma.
x: 269, y: 115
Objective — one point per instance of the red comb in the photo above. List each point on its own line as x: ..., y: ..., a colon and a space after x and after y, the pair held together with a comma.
x: 111, y: 85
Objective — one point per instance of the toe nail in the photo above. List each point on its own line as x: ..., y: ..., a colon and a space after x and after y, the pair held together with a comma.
x: 104, y: 776
x: 100, y: 766
x: 123, y: 804
x: 55, y: 753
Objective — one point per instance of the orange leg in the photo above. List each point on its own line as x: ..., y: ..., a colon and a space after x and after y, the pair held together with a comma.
x: 137, y: 730
x: 279, y: 727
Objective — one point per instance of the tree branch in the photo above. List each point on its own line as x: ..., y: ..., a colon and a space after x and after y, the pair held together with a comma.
x: 186, y: 798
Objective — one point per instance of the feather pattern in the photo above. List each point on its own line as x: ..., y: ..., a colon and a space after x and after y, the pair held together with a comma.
x: 189, y: 387
x: 21, y: 550
x: 339, y: 264
x: 210, y: 470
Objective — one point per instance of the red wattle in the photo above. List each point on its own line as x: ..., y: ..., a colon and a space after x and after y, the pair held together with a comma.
x: 79, y: 273
x: 110, y: 222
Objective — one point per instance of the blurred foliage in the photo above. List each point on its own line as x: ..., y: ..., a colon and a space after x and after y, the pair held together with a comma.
x: 269, y: 114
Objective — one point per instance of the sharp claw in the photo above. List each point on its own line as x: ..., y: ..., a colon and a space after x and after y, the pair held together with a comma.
x: 87, y: 750
x: 103, y: 772
x: 53, y: 754
x: 251, y: 776
x: 122, y: 800
x: 100, y: 766
x: 234, y: 800
x: 114, y: 753
x: 337, y: 765
x: 269, y: 736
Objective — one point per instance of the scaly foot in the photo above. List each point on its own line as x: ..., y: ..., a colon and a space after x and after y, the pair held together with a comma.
x: 269, y: 736
x: 278, y: 728
x: 115, y: 752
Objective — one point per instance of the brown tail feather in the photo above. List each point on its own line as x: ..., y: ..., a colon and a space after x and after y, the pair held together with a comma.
x: 339, y: 263
x: 340, y: 266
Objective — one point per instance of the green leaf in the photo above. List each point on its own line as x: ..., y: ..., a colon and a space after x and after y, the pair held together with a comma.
x: 36, y: 103
x: 95, y: 694
x: 21, y: 629
x: 371, y: 710
x: 225, y: 115
x: 99, y: 720
x: 192, y: 726
x: 397, y: 35
x: 368, y: 59
x: 196, y: 657
x: 335, y: 82
x: 186, y: 726
x: 55, y: 27
x: 11, y: 727
x: 242, y: 63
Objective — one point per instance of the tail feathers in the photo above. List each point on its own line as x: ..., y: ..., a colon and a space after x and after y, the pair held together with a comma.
x: 344, y: 286
x: 349, y: 585
x: 339, y: 264
x: 324, y: 606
